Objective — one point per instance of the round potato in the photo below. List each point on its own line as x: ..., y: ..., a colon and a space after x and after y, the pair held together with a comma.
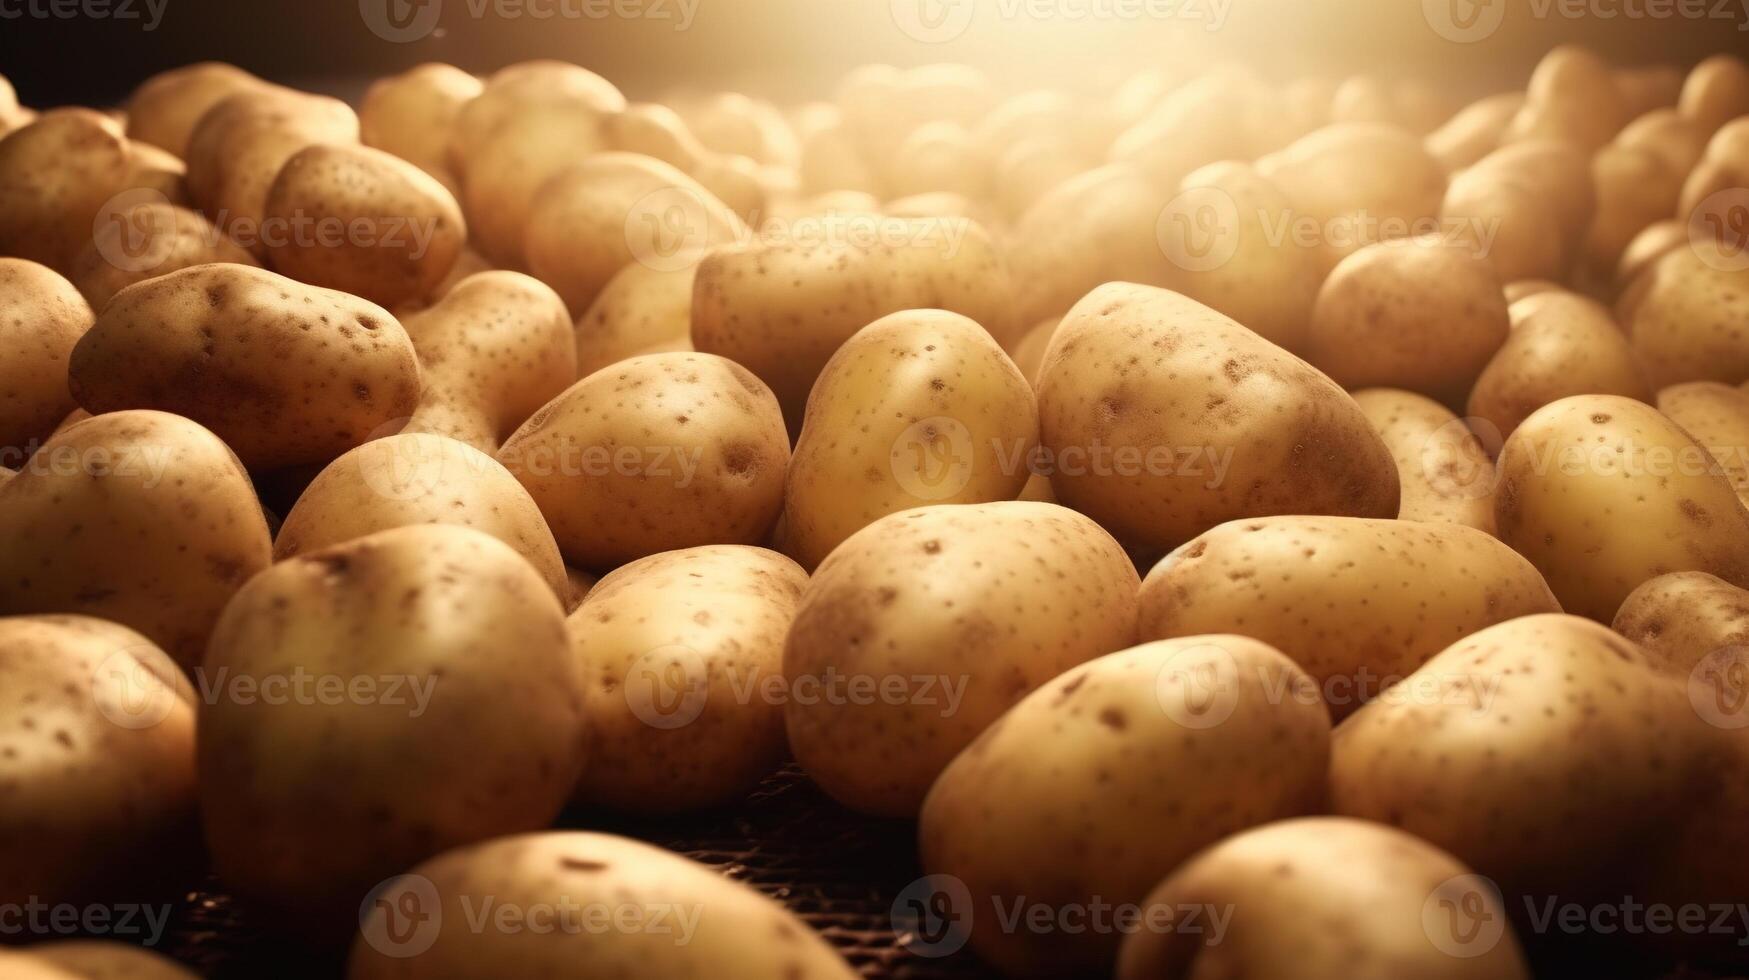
x: 95, y: 960
x: 1091, y: 229
x: 1682, y: 618
x: 1561, y: 344
x: 42, y: 317
x: 1689, y: 315
x: 164, y: 109
x: 655, y: 130
x: 1572, y: 98
x: 413, y: 114
x: 55, y: 175
x: 642, y: 306
x: 143, y: 239
x: 1446, y: 473
x: 1717, y: 416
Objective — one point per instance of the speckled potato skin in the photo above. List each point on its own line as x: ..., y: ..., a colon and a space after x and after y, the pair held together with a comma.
x: 720, y: 613
x: 1369, y: 884
x: 413, y: 114
x: 1682, y: 617
x: 917, y: 408
x: 97, y: 755
x: 1092, y: 787
x: 639, y: 308
x: 1689, y: 321
x: 1717, y: 416
x: 781, y: 309
x: 418, y: 478
x: 1561, y: 344
x: 920, y: 593
x: 492, y: 352
x: 1423, y: 316
x: 285, y: 373
x: 1602, y: 493
x: 1444, y: 471
x: 1512, y: 744
x: 164, y: 109
x: 738, y: 934
x: 309, y: 802
x: 55, y: 174
x: 373, y: 224
x: 41, y: 318
x: 146, y: 241
x: 670, y: 412
x: 99, y: 960
x: 1134, y: 367
x: 143, y: 518
x: 1353, y: 602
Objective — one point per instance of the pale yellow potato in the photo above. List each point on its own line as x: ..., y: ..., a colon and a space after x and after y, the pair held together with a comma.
x: 614, y: 209
x: 165, y: 108
x: 1219, y: 115
x: 1079, y: 125
x: 1649, y: 246
x: 1475, y: 131
x: 1027, y: 171
x: 97, y: 752
x: 1636, y: 188
x: 739, y: 125
x: 1375, y: 881
x: 1561, y: 344
x: 924, y: 627
x: 99, y: 960
x: 1682, y: 618
x: 492, y: 352
x: 362, y: 221
x: 1445, y: 471
x: 140, y: 239
x: 642, y: 306
x: 1723, y: 170
x: 1512, y: 226
x: 1417, y: 314
x: 1717, y: 416
x: 1085, y: 758
x: 654, y: 130
x: 1689, y: 316
x: 831, y: 161
x: 413, y: 116
x: 939, y: 156
x: 1101, y: 226
x: 682, y: 658
x: 1572, y: 98
x: 917, y: 408
x: 42, y: 317
x: 781, y: 306
x: 1358, y: 604
x: 528, y: 85
x: 1716, y: 92
x: 55, y: 175
x: 687, y: 919
x: 655, y: 453
x: 738, y: 182
x: 1029, y: 350
x: 1164, y: 419
x: 284, y: 373
x: 1602, y: 493
x: 1679, y: 141
x: 142, y: 518
x: 882, y: 105
x: 417, y: 478
x: 1508, y: 747
x: 439, y: 706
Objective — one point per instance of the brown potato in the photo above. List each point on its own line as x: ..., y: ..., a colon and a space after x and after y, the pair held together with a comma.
x: 165, y: 108
x: 1717, y: 416
x: 1716, y: 92
x: 139, y: 239
x: 1689, y: 313
x: 1446, y: 473
x: 1683, y: 618
x: 1475, y: 131
x: 55, y: 175
x: 42, y: 317
x: 413, y: 115
x: 1561, y: 344
x: 640, y: 307
x: 1572, y: 98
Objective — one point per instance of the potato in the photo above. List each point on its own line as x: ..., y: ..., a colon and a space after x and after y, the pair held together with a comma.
x: 413, y: 115
x: 155, y: 489
x: 1348, y: 174
x: 97, y: 754
x: 23, y: 966
x: 165, y: 108
x: 1716, y: 92
x: 655, y: 453
x: 1475, y: 131
x: 1683, y: 618
x: 653, y: 130
x: 896, y: 656
x: 55, y: 175
x: 1677, y: 140
x: 362, y: 221
x: 1711, y: 199
x: 155, y: 171
x: 939, y: 156
x: 687, y: 920
x: 1649, y: 88
x: 781, y: 308
x: 96, y: 960
x: 1212, y: 423
x: 1378, y: 880
x: 1082, y: 759
x: 614, y: 209
x: 492, y: 352
x: 1636, y: 188
x: 1561, y: 344
x: 1219, y: 115
x: 1417, y: 314
x: 1526, y: 288
x: 359, y: 725
x: 535, y: 85
x: 284, y: 373
x: 411, y: 479
x: 916, y: 408
x: 1573, y: 98
x: 682, y: 655
x: 1446, y: 473
x: 1027, y: 171
x: 1717, y: 416
x: 1506, y: 747
x: 831, y: 161
x: 1602, y: 493
x: 139, y: 239
x: 1100, y: 226
x: 41, y: 318
x: 1076, y: 124
x: 1650, y: 245
x: 1526, y: 207
x: 1323, y: 591
x: 1690, y: 315
x: 732, y: 123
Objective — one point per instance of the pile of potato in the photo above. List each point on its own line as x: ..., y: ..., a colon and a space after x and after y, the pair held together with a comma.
x: 1317, y: 501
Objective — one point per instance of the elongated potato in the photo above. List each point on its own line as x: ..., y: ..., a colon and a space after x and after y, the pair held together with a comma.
x: 1561, y: 344
x: 916, y: 408
x: 1717, y: 416
x: 42, y: 317
x: 1081, y: 759
x: 1445, y: 471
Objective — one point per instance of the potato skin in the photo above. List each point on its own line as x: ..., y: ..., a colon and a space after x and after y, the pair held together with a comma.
x: 735, y: 933
x: 153, y: 487
x: 1444, y: 471
x: 710, y: 453
x: 1717, y: 416
x: 639, y: 308
x: 916, y: 408
x: 1688, y: 317
x: 721, y: 613
x: 1377, y: 878
x: 285, y: 373
x: 1357, y: 603
x: 308, y: 802
x: 415, y: 478
x: 97, y: 754
x: 1144, y: 370
x: 1081, y: 759
x: 55, y: 174
x: 1681, y: 618
x: 920, y: 594
x: 165, y: 108
x: 145, y: 240
x: 1561, y: 344
x: 41, y: 318
x: 1602, y: 493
